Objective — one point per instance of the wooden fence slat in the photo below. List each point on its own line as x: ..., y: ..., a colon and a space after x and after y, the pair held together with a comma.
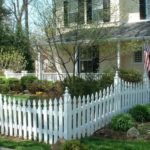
x: 15, y: 117
x: 10, y: 116
x: 45, y: 122
x: 34, y: 120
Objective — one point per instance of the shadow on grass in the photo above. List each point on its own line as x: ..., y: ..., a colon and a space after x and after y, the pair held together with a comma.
x: 22, y: 145
x: 107, y: 144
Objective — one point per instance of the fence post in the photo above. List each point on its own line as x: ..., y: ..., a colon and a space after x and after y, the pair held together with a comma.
x: 23, y: 73
x: 146, y: 87
x: 117, y: 90
x: 67, y: 115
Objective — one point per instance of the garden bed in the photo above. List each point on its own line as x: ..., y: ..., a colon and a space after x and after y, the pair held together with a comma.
x: 107, y: 132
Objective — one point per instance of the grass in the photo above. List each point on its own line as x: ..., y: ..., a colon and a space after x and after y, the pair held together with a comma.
x: 108, y: 144
x: 22, y: 145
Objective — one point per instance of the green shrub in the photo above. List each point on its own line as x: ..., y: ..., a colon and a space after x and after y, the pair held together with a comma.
x: 3, y: 80
x: 39, y: 86
x: 74, y: 145
x: 14, y: 84
x: 2, y: 73
x: 26, y: 80
x: 4, y: 88
x: 76, y: 85
x: 106, y: 81
x: 59, y: 87
x: 140, y: 113
x: 130, y: 75
x: 122, y: 122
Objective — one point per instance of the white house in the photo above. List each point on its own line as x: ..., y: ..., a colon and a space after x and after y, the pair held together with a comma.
x: 95, y: 35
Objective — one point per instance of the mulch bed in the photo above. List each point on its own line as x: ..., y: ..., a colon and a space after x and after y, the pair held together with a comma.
x: 106, y: 132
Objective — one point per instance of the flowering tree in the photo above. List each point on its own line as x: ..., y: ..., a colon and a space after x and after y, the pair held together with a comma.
x: 13, y: 60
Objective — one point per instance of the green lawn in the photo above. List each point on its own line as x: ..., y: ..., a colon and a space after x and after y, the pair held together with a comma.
x: 22, y: 145
x: 107, y: 144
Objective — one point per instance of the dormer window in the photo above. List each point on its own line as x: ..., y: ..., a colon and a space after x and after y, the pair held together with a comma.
x: 144, y: 9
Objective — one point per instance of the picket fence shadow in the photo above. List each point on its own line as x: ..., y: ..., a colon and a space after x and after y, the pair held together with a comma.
x: 67, y: 117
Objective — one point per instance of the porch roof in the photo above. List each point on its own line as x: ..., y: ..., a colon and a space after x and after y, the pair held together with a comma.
x: 130, y: 31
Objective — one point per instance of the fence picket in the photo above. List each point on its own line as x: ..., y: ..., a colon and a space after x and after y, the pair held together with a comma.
x: 92, y: 115
x: 96, y: 111
x: 24, y: 119
x: 45, y: 121
x: 15, y: 117
x: 55, y: 121
x: 5, y: 116
x: 34, y: 120
x: 10, y: 116
x: 40, y: 121
x: 74, y: 125
x: 50, y: 123
x: 19, y: 110
x: 1, y: 114
x: 83, y: 116
x: 60, y: 118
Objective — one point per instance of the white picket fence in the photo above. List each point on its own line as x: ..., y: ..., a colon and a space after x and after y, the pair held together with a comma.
x: 57, y: 77
x: 69, y: 118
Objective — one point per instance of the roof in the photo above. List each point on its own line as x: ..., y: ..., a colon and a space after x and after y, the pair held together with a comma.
x: 125, y: 31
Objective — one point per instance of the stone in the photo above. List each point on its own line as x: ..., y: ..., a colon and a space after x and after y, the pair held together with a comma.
x: 133, y: 133
x: 25, y: 91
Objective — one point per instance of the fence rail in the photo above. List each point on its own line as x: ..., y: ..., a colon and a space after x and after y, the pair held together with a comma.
x: 68, y: 117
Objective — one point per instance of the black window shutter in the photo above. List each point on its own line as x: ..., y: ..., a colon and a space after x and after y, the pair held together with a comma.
x: 80, y: 11
x: 89, y: 11
x: 142, y: 9
x: 106, y: 10
x: 65, y: 13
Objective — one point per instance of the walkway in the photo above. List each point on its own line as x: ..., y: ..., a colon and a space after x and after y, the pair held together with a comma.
x: 1, y: 148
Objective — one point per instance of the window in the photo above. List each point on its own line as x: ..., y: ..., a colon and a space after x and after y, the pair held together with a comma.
x: 73, y: 11
x: 97, y: 10
x: 144, y: 9
x: 138, y: 57
x: 101, y: 10
x: 89, y: 59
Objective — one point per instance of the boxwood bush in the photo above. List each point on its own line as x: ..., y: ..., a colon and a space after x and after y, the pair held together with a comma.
x: 122, y: 122
x: 130, y: 75
x: 14, y: 84
x: 39, y: 86
x: 140, y: 113
x: 26, y: 80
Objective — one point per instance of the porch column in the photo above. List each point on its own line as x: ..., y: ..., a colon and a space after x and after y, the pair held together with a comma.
x: 77, y: 61
x: 118, y: 55
x: 38, y: 68
x: 85, y: 11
